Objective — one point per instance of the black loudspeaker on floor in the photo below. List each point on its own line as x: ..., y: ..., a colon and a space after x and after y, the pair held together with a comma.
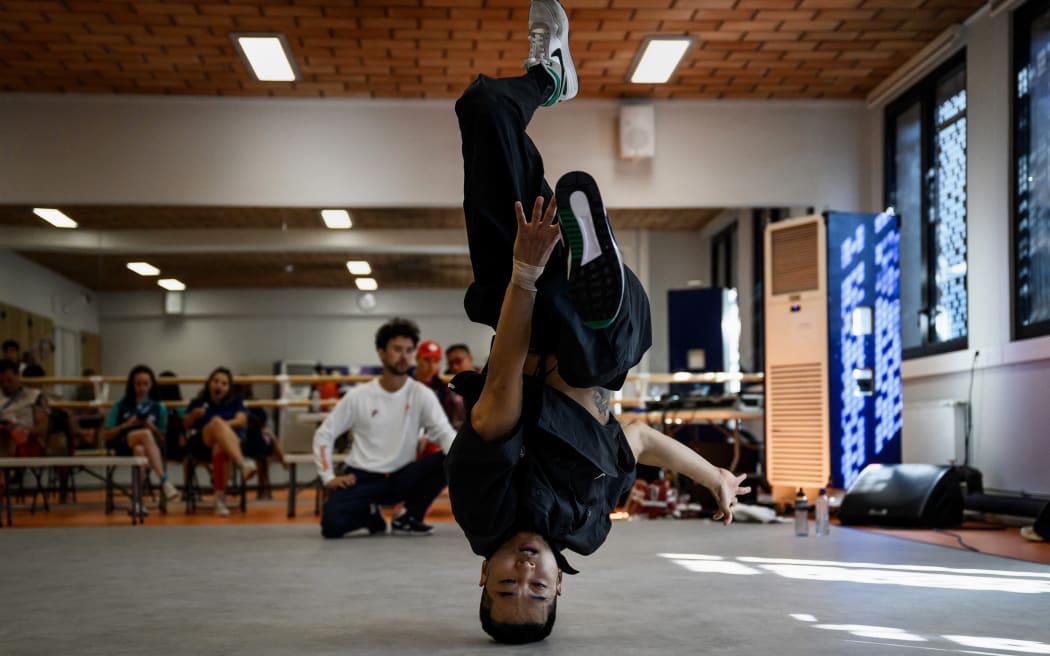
x: 912, y: 495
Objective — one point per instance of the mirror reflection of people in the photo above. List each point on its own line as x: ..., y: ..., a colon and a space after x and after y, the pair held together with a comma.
x: 540, y: 462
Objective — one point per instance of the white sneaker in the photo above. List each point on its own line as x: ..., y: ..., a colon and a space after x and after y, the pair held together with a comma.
x: 549, y: 46
x: 1028, y: 533
x: 170, y: 491
x: 220, y: 508
x: 249, y: 469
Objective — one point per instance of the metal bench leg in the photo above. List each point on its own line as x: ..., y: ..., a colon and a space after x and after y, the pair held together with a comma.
x: 291, y: 490
x: 136, y: 496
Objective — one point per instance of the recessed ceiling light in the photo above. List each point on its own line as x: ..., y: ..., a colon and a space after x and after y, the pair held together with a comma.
x: 54, y: 217
x: 337, y: 219
x: 268, y: 56
x: 143, y: 268
x: 359, y: 267
x: 658, y: 59
x: 171, y: 284
x: 367, y: 284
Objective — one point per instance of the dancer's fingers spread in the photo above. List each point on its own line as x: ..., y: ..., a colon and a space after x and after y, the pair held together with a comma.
x: 537, y: 210
x: 552, y: 209
x: 519, y: 211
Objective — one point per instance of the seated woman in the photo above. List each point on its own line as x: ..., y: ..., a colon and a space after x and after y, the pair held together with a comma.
x: 216, y: 420
x: 260, y: 444
x: 137, y: 422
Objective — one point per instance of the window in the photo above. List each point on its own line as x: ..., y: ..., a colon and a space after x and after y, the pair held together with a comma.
x: 1031, y: 174
x: 926, y: 184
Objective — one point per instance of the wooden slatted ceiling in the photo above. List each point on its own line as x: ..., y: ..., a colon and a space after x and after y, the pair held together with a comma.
x: 107, y: 217
x: 433, y: 48
x: 284, y: 269
x: 259, y: 270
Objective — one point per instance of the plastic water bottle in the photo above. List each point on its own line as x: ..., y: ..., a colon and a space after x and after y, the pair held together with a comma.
x: 801, y: 514
x: 823, y: 526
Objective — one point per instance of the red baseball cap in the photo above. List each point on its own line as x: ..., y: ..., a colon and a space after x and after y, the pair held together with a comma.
x: 429, y: 350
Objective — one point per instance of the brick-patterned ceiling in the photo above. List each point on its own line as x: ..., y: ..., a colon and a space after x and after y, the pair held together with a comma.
x: 433, y: 48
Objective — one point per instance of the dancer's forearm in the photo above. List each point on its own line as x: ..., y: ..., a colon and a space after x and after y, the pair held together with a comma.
x: 499, y: 406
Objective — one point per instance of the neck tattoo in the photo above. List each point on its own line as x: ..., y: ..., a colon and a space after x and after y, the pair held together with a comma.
x: 601, y: 401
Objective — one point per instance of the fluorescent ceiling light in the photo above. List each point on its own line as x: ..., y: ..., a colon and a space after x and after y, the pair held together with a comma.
x: 658, y: 59
x: 268, y: 56
x: 358, y: 267
x: 143, y: 268
x: 171, y: 284
x: 54, y: 217
x: 337, y: 219
x: 367, y: 284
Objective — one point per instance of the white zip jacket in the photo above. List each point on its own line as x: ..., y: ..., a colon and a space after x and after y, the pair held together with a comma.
x: 386, y: 427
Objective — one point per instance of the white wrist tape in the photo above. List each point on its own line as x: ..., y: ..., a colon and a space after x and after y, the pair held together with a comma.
x: 525, y: 275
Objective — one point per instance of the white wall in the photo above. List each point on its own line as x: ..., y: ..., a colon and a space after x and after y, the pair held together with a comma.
x: 247, y: 330
x: 296, y: 152
x: 1010, y: 408
x: 27, y: 285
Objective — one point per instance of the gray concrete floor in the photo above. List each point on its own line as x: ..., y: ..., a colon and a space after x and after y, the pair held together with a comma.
x: 746, y: 589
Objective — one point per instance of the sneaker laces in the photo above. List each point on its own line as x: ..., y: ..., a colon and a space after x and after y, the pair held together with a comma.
x: 539, y: 46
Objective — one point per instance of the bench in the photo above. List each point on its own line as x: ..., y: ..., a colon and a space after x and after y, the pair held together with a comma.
x: 295, y: 459
x: 109, y: 463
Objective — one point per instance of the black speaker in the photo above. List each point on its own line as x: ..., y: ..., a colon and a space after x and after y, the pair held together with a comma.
x: 926, y: 496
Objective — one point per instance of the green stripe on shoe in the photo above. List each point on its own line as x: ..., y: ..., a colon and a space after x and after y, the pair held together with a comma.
x: 570, y: 227
x: 557, y: 87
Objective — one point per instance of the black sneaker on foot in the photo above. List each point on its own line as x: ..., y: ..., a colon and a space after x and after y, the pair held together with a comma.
x: 595, y: 264
x: 377, y: 523
x: 409, y: 525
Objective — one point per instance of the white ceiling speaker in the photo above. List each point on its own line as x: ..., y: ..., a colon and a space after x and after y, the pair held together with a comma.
x: 637, y: 132
x: 174, y: 303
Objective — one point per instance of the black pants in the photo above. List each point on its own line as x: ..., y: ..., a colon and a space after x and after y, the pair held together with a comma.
x: 417, y: 484
x: 501, y: 165
x: 1042, y: 523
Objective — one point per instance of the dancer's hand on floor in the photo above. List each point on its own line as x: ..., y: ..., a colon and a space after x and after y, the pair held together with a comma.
x: 536, y: 238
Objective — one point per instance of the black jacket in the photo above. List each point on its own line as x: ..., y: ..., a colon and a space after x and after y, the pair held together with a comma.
x: 559, y: 473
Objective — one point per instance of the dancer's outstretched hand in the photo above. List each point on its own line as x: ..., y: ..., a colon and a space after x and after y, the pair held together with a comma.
x: 726, y: 490
x: 536, y: 238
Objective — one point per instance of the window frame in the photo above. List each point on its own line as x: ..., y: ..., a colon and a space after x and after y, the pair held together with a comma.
x: 1021, y: 23
x: 924, y: 92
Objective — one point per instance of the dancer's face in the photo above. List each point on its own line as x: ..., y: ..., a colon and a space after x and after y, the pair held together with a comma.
x: 397, y: 356
x: 522, y: 579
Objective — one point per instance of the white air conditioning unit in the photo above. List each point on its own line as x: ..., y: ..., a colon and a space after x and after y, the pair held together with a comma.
x: 833, y: 349
x: 796, y: 329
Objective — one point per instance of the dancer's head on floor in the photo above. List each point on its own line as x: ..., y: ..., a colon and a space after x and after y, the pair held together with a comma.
x: 520, y: 584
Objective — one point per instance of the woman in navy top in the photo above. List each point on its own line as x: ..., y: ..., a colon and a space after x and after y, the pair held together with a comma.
x: 216, y: 420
